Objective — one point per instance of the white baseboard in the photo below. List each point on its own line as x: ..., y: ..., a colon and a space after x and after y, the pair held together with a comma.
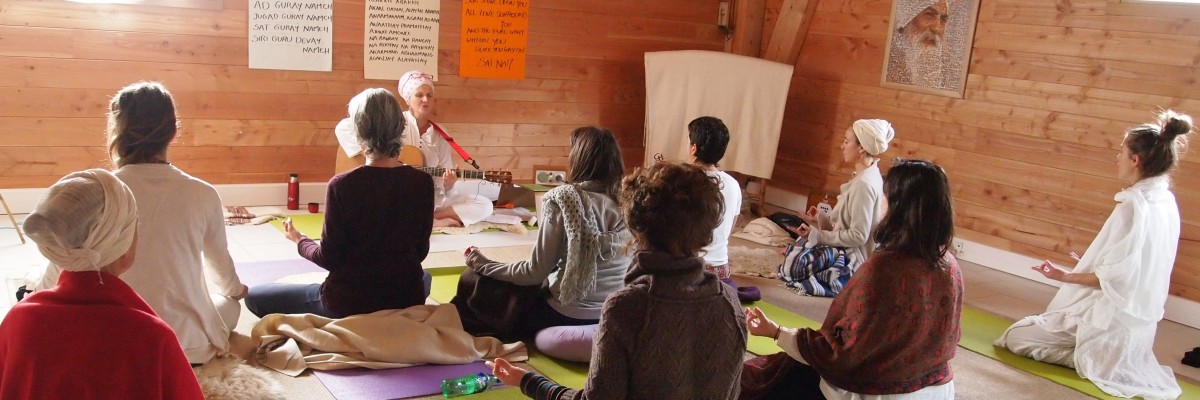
x: 21, y: 201
x: 1178, y: 309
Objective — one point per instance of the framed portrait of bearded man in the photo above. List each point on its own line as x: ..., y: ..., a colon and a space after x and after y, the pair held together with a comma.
x: 929, y: 46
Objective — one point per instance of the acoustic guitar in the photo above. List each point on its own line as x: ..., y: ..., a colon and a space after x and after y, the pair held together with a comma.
x: 412, y: 156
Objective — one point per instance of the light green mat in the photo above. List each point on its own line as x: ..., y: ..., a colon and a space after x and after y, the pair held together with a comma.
x: 536, y: 188
x: 308, y: 224
x: 980, y: 329
x: 566, y: 373
x: 445, y: 283
x: 764, y: 345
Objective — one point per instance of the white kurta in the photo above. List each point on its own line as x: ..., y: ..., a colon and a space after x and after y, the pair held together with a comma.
x: 717, y: 252
x: 1115, y: 325
x: 850, y: 223
x: 470, y: 207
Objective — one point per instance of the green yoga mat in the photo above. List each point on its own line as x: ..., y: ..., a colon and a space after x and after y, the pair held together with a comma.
x: 445, y: 283
x: 308, y: 224
x: 566, y: 373
x: 764, y: 345
x: 980, y: 329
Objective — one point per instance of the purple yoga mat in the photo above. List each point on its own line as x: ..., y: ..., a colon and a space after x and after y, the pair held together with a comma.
x: 259, y: 272
x: 396, y: 383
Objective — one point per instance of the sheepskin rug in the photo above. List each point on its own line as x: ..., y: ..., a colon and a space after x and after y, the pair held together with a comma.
x: 755, y: 261
x: 229, y: 378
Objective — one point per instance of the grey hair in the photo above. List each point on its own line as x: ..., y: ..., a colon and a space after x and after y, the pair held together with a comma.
x: 378, y: 122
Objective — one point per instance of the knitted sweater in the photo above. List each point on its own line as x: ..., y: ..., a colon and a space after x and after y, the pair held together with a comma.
x: 892, y: 330
x: 673, y: 332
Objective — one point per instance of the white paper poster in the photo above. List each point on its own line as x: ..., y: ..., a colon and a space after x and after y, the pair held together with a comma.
x: 291, y: 35
x: 400, y: 36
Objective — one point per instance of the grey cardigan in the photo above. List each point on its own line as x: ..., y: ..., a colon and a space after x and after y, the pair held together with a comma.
x: 550, y: 254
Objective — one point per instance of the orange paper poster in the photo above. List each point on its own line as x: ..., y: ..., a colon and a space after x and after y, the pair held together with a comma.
x: 494, y: 36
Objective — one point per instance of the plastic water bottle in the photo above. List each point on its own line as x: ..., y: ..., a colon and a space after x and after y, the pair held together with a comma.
x: 469, y: 384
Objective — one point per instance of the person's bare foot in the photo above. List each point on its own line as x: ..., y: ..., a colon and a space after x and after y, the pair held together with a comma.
x: 446, y: 222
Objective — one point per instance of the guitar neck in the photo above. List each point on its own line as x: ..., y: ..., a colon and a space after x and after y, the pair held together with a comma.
x: 462, y: 173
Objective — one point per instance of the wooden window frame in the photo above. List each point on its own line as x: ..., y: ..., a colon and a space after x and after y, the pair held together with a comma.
x: 1141, y: 8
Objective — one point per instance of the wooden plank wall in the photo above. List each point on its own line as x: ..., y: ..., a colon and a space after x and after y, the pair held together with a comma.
x: 1031, y: 148
x: 62, y: 61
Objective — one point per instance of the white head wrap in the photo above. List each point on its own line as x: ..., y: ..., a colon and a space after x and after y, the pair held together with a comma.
x: 907, y: 10
x: 873, y: 135
x: 411, y: 80
x: 85, y: 221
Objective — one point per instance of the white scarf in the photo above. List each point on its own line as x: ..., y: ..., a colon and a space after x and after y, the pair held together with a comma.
x: 62, y: 216
x: 583, y: 245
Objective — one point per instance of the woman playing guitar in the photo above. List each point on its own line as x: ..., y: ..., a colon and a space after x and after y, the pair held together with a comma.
x: 452, y: 207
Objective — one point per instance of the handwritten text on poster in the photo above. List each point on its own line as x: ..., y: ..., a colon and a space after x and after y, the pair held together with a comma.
x: 494, y: 38
x: 291, y: 35
x: 399, y: 36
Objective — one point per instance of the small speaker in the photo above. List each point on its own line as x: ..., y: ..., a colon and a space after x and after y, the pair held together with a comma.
x: 549, y: 176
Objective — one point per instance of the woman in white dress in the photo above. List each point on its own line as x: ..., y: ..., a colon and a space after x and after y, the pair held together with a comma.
x: 180, y: 223
x: 452, y: 207
x: 1103, y: 319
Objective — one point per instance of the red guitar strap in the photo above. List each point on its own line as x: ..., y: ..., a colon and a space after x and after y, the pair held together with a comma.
x: 454, y: 145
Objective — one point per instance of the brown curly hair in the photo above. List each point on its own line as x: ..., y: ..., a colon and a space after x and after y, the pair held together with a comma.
x: 672, y: 207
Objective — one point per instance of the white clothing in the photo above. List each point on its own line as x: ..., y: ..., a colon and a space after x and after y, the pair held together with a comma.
x: 850, y: 223
x: 787, y: 341
x: 470, y: 207
x: 433, y: 146
x: 181, y: 230
x: 717, y: 253
x: 1115, y: 324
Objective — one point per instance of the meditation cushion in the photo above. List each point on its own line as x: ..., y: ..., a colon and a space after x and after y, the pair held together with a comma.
x: 571, y: 343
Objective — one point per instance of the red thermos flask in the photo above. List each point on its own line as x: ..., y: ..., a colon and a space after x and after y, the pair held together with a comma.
x: 293, y: 192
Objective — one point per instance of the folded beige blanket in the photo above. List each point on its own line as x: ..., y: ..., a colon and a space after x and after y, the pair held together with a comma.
x: 424, y: 334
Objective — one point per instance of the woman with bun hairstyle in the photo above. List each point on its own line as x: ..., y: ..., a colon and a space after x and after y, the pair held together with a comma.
x: 1103, y: 320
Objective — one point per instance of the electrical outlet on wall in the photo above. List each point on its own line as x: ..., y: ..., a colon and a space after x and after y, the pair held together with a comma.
x: 958, y: 248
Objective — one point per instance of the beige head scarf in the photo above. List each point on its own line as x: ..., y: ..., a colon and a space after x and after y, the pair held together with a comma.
x: 85, y: 221
x: 411, y: 81
x: 873, y: 135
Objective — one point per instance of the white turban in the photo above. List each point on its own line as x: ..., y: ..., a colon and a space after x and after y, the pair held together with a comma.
x: 85, y: 221
x: 907, y: 10
x: 411, y: 80
x: 873, y: 135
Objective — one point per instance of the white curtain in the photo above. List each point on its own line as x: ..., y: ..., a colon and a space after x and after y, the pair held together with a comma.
x: 747, y: 93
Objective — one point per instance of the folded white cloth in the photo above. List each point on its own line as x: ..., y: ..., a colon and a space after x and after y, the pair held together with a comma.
x: 764, y: 231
